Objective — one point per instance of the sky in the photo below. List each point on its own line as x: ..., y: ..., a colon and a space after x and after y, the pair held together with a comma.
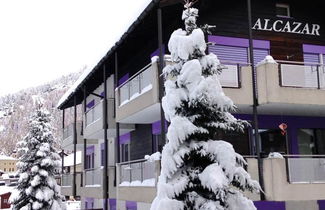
x: 41, y: 40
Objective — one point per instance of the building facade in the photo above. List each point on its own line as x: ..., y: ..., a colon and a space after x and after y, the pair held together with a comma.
x: 122, y: 119
x: 8, y: 164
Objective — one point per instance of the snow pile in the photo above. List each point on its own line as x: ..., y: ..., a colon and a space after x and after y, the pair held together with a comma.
x: 199, y: 172
x: 68, y: 160
x: 267, y: 59
x: 5, y: 157
x: 275, y: 155
x: 154, y: 157
x: 39, y: 163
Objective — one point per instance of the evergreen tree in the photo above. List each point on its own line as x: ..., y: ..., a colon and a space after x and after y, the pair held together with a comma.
x: 199, y: 172
x: 39, y: 162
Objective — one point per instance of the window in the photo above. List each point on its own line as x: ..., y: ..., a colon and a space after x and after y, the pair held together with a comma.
x: 239, y: 140
x: 282, y: 10
x: 125, y: 152
x: 157, y: 143
x: 272, y: 141
x: 311, y: 141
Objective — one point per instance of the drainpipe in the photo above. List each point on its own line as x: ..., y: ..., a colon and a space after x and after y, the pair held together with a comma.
x: 105, y: 126
x: 84, y: 124
x: 255, y: 101
x: 62, y: 155
x: 161, y: 78
x: 74, y: 188
x: 117, y: 124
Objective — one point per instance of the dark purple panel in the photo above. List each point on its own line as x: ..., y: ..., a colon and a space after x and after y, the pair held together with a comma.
x: 269, y: 205
x: 156, y: 52
x: 123, y: 79
x: 90, y: 104
x: 131, y: 205
x: 321, y: 204
x: 308, y: 48
x: 156, y: 127
x: 112, y: 204
x: 90, y: 150
x: 239, y: 42
x: 89, y: 203
x: 102, y: 94
x: 125, y: 138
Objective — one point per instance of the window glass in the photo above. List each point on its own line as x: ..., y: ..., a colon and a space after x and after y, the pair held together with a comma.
x: 125, y: 152
x: 157, y: 143
x: 282, y: 10
x: 272, y: 141
x: 239, y: 140
x: 311, y: 141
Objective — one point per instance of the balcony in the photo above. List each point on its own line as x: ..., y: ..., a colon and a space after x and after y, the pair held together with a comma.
x: 67, y: 136
x: 286, y: 179
x: 294, y: 88
x: 94, y: 122
x: 135, y: 176
x: 67, y: 182
x: 94, y: 177
x: 138, y: 97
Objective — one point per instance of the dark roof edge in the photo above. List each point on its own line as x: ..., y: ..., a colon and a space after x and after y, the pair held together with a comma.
x: 150, y: 6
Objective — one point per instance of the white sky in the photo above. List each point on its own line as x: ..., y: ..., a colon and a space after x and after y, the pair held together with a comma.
x: 40, y: 40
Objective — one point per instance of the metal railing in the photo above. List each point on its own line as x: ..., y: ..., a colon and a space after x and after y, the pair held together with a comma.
x: 138, y: 173
x: 68, y: 131
x: 94, y: 114
x: 137, y: 84
x: 94, y: 176
x: 67, y: 180
x: 230, y: 76
x: 305, y: 168
x: 301, y: 74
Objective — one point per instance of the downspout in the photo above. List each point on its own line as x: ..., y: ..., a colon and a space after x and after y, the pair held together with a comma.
x: 74, y: 188
x: 105, y: 126
x: 255, y: 101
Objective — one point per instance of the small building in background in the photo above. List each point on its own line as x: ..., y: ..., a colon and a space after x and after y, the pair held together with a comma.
x: 8, y: 164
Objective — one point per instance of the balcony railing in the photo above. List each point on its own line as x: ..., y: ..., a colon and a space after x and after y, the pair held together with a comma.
x: 306, y: 169
x: 67, y: 180
x: 94, y: 177
x: 94, y: 114
x: 138, y: 173
x: 230, y: 77
x: 136, y: 85
x: 68, y: 131
x: 302, y: 75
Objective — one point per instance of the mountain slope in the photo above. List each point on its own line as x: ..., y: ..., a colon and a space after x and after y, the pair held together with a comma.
x: 15, y: 110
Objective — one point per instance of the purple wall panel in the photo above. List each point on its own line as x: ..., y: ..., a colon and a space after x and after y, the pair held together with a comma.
x: 239, y: 42
x: 131, y: 205
x: 90, y: 104
x: 308, y: 48
x: 293, y: 122
x: 321, y: 204
x: 112, y: 204
x: 156, y: 127
x: 269, y: 205
x: 123, y: 79
x: 125, y: 138
x: 156, y: 52
x: 90, y: 150
x: 89, y: 203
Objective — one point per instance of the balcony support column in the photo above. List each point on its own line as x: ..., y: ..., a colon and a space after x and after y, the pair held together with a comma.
x: 62, y: 150
x: 161, y: 79
x: 74, y: 188
x: 105, y: 125
x: 84, y: 125
x: 255, y: 101
x: 117, y: 124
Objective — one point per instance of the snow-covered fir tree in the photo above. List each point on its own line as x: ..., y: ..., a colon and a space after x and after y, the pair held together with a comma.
x: 199, y: 172
x: 38, y: 164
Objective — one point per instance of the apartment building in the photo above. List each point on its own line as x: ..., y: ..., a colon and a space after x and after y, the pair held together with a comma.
x: 8, y: 164
x: 122, y: 119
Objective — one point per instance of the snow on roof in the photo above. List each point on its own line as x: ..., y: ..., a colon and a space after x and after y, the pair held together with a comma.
x: 132, y: 17
x: 4, y: 157
x: 68, y: 160
x: 5, y: 189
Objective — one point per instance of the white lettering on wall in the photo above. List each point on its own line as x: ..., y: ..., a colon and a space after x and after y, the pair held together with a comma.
x: 287, y: 27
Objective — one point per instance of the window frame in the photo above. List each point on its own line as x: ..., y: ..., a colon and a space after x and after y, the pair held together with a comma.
x: 285, y: 6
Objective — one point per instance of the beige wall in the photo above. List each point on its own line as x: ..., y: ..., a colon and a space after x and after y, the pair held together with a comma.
x: 8, y: 165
